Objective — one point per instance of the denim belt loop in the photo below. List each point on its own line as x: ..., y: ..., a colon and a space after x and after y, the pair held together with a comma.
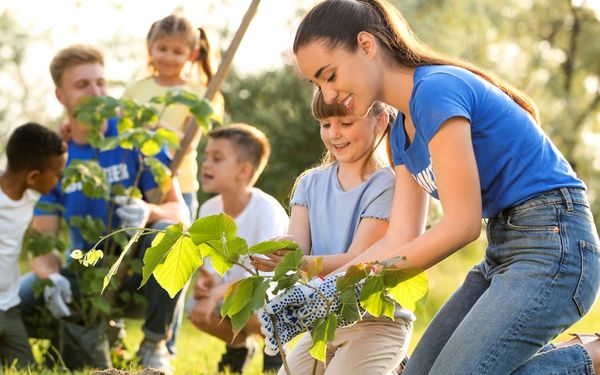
x: 567, y: 198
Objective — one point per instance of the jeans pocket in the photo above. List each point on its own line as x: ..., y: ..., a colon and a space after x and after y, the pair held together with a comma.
x: 589, y: 278
x: 536, y: 219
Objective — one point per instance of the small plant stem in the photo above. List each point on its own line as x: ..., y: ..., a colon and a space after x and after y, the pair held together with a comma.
x: 280, y: 345
x: 145, y: 230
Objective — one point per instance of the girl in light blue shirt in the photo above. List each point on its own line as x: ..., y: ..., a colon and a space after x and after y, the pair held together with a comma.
x: 339, y: 209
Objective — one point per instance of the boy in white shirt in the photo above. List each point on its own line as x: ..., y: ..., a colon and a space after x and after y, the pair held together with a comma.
x: 233, y: 160
x: 36, y: 157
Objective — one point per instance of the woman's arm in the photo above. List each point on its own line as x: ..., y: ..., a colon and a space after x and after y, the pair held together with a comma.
x: 368, y: 232
x: 459, y: 190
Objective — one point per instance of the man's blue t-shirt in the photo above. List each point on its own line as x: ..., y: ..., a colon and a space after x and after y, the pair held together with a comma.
x: 119, y: 164
x: 515, y: 159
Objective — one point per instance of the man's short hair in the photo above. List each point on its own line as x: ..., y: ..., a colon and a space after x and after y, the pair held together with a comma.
x: 74, y: 55
x: 250, y: 143
x: 31, y: 146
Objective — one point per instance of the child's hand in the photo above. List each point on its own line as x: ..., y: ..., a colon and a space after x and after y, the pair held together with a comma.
x: 267, y: 263
x: 203, y: 310
x: 204, y: 284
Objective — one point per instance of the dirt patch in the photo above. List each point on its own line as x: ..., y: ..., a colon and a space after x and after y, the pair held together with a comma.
x: 112, y: 371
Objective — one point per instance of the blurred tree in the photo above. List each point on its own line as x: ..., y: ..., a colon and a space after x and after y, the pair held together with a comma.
x: 278, y: 103
x: 19, y: 96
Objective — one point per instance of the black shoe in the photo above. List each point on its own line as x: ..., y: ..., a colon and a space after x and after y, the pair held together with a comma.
x: 237, y: 359
x: 272, y: 363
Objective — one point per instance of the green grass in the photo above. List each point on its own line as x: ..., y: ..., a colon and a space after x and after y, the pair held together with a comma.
x: 199, y: 353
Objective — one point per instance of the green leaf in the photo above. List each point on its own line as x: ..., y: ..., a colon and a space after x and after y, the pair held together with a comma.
x: 160, y: 172
x: 224, y: 253
x: 109, y: 143
x: 291, y: 262
x: 167, y: 137
x: 231, y: 248
x: 180, y: 263
x: 113, y: 269
x: 89, y: 227
x: 239, y: 320
x: 407, y: 287
x: 269, y: 247
x: 237, y: 296
x: 87, y: 175
x: 161, y: 245
x: 102, y: 305
x: 150, y: 148
x: 353, y: 275
x: 323, y: 332
x: 124, y: 124
x: 374, y: 298
x: 51, y: 208
x: 212, y: 228
x: 40, y: 243
x: 286, y: 282
x: 349, y: 309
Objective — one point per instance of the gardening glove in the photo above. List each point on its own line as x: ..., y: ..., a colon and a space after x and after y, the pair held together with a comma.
x: 133, y: 212
x: 316, y: 308
x: 284, y: 307
x: 57, y: 296
x: 286, y: 332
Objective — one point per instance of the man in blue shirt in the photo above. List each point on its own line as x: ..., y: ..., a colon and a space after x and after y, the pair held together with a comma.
x: 78, y: 72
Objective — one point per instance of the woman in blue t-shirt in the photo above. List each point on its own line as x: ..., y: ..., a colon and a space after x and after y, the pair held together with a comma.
x: 474, y: 143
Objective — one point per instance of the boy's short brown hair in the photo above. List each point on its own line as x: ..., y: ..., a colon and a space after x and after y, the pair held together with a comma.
x: 31, y: 146
x: 251, y: 144
x: 74, y: 55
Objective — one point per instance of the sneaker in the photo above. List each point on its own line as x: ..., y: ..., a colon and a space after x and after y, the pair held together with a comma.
x: 271, y: 363
x: 237, y: 359
x: 153, y: 354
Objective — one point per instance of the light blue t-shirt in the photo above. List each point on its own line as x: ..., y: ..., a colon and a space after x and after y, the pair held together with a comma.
x: 515, y: 159
x: 334, y: 214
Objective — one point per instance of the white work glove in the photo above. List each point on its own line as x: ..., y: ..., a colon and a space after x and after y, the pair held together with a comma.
x: 133, y: 212
x: 298, y: 309
x: 57, y: 297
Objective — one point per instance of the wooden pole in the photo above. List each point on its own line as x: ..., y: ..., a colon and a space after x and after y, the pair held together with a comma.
x: 192, y: 127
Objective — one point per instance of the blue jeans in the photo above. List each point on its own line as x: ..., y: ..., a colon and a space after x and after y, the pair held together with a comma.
x: 540, y: 275
x: 160, y: 309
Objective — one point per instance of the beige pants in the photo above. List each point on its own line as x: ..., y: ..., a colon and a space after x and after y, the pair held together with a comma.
x: 373, y: 346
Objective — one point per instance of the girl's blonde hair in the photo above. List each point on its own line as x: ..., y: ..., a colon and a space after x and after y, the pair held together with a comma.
x: 195, y: 38
x: 322, y: 110
x: 338, y: 22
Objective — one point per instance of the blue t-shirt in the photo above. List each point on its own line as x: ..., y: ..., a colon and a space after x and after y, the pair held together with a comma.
x: 120, y: 166
x: 334, y: 214
x: 515, y: 159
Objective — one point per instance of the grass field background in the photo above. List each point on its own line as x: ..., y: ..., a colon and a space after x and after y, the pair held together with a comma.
x: 199, y: 353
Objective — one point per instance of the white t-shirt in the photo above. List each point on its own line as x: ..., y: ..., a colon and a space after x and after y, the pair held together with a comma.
x: 15, y: 217
x: 262, y: 219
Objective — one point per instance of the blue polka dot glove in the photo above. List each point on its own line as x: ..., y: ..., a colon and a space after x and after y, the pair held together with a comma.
x: 298, y: 309
x: 286, y: 331
x: 284, y: 307
x: 316, y: 307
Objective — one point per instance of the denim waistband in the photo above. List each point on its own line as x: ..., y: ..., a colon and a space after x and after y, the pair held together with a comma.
x: 567, y: 196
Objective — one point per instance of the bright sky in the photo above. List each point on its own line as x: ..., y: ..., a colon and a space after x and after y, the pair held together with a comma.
x: 63, y: 22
